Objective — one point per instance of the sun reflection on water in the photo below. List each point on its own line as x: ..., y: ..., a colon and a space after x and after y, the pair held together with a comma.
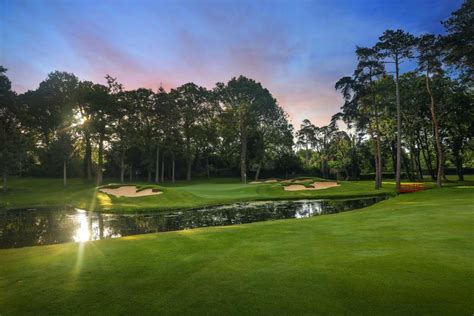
x: 82, y: 233
x: 89, y: 227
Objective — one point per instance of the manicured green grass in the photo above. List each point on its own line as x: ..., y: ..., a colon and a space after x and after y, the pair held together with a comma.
x: 29, y: 192
x: 412, y: 254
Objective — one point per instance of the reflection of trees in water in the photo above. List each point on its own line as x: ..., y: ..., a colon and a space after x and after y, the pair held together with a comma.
x: 38, y: 227
x: 335, y: 206
x: 101, y: 226
x: 20, y: 228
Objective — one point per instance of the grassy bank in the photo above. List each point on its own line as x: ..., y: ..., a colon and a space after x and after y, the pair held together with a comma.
x: 29, y: 192
x: 412, y: 254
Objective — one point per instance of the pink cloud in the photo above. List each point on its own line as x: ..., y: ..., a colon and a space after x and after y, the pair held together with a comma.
x: 263, y: 53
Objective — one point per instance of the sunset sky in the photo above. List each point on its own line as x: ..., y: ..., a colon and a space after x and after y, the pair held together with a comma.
x: 296, y: 49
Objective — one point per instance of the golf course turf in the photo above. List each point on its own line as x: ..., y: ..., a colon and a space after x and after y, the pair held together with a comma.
x: 32, y: 192
x: 411, y: 254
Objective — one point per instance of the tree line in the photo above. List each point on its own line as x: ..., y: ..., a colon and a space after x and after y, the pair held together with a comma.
x: 408, y: 105
x: 408, y: 120
x: 238, y: 125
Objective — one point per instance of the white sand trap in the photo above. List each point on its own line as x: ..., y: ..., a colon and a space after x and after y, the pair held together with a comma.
x: 129, y: 191
x: 297, y: 187
x: 315, y: 186
x: 324, y: 185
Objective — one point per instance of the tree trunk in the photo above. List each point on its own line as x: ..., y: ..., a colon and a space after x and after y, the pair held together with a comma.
x: 416, y: 157
x: 377, y: 180
x: 64, y: 173
x: 416, y: 151
x: 347, y: 174
x: 443, y: 174
x: 148, y: 178
x: 163, y: 168
x: 5, y: 177
x: 188, y: 169
x: 379, y: 150
x: 436, y: 132
x: 427, y: 156
x: 326, y: 169
x: 172, y: 169
x: 88, y: 157
x: 257, y: 174
x: 406, y: 166
x: 208, y: 172
x: 243, y: 151
x: 398, y: 172
x: 306, y: 155
x: 131, y: 173
x: 412, y: 163
x: 122, y: 167
x: 89, y: 169
x: 157, y: 165
x: 376, y: 159
x: 429, y: 166
x: 101, y: 160
x: 459, y: 170
x: 189, y: 159
x: 394, y: 157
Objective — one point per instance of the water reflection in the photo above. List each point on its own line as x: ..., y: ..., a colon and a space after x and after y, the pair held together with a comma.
x: 29, y: 227
x: 83, y: 232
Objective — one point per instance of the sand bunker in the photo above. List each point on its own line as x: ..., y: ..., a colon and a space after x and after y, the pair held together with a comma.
x: 324, y: 185
x: 314, y: 186
x: 129, y: 191
x: 296, y: 187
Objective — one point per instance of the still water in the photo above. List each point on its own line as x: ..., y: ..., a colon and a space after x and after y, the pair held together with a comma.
x: 43, y: 226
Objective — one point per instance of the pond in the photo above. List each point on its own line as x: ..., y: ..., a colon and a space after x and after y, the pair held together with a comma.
x: 43, y: 226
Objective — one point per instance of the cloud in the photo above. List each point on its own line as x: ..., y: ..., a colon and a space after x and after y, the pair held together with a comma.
x: 297, y: 50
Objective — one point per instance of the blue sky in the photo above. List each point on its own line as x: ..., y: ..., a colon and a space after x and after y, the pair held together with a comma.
x: 297, y: 49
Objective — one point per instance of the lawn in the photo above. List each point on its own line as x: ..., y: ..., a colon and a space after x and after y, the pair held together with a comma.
x: 29, y: 192
x: 412, y: 254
